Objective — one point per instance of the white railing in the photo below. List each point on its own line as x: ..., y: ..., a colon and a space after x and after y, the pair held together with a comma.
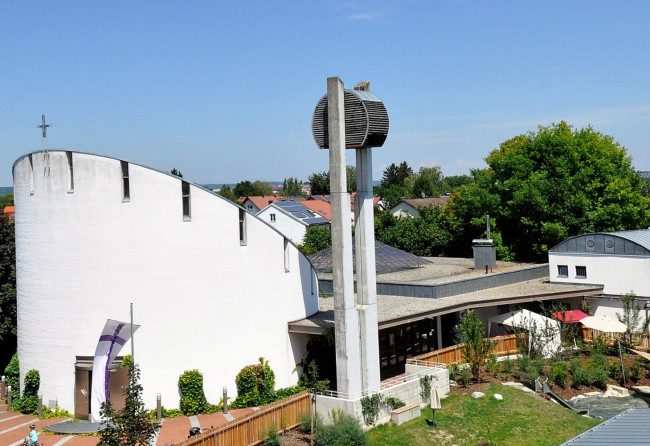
x: 387, y: 384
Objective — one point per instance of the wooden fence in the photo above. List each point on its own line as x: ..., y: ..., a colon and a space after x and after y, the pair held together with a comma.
x: 504, y: 346
x: 285, y: 415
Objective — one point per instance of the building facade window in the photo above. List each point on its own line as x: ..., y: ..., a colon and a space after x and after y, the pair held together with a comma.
x: 70, y: 172
x: 563, y: 271
x: 242, y: 227
x: 185, y: 191
x: 126, y: 191
x: 286, y: 255
x: 581, y: 272
x: 272, y: 217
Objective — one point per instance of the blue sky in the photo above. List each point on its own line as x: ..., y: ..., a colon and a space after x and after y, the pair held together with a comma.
x: 225, y: 90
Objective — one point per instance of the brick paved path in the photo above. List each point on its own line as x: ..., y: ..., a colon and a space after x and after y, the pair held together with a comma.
x: 14, y: 427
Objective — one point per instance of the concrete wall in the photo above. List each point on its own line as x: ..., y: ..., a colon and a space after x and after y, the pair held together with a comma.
x: 202, y: 299
x: 409, y: 392
x: 619, y: 274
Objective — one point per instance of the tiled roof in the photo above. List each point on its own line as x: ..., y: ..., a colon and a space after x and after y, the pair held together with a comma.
x: 8, y: 210
x: 262, y: 201
x: 322, y: 208
x: 426, y: 202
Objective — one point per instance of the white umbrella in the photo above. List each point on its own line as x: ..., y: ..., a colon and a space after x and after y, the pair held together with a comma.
x: 603, y: 323
x: 434, y: 400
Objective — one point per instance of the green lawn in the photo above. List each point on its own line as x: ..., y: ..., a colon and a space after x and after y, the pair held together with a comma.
x: 520, y: 419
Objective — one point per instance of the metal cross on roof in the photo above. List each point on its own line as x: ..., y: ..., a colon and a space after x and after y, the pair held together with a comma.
x: 44, y: 126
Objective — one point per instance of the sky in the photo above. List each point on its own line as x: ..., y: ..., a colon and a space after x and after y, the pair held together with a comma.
x: 224, y: 91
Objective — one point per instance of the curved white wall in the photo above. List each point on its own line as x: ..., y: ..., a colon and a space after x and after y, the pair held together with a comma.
x: 203, y: 301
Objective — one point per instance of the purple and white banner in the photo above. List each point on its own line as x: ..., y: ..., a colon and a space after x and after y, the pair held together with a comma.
x: 111, y: 341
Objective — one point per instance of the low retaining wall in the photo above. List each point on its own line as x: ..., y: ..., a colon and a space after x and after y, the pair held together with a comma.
x: 407, y: 391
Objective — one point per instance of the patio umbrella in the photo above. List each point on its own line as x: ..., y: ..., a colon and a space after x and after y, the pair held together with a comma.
x: 603, y: 323
x: 435, y: 400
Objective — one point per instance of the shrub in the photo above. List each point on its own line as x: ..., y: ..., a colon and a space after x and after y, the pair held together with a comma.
x: 304, y: 420
x: 165, y: 413
x: 453, y: 371
x: 581, y: 375
x: 370, y: 406
x: 599, y: 378
x: 394, y: 403
x: 32, y: 383
x: 425, y: 387
x: 286, y: 392
x: 309, y: 379
x: 127, y: 361
x: 614, y: 370
x: 465, y: 376
x: 523, y: 363
x: 271, y: 436
x: 493, y: 366
x: 56, y: 413
x: 12, y: 374
x: 560, y: 374
x: 507, y: 365
x: 635, y: 370
x: 255, y: 385
x: 26, y: 404
x: 540, y: 365
x: 345, y: 430
x: 193, y: 401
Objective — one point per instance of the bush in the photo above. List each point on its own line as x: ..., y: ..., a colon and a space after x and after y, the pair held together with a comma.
x: 255, y: 385
x: 271, y: 436
x: 465, y: 376
x: 56, y: 413
x: 12, y: 375
x: 32, y: 383
x: 193, y: 401
x: 524, y: 363
x: 614, y: 370
x: 370, y: 406
x: 26, y: 405
x: 599, y: 378
x: 581, y: 375
x: 540, y: 365
x: 394, y: 403
x: 560, y: 374
x: 127, y: 361
x: 635, y: 371
x: 493, y: 366
x: 425, y: 387
x: 165, y: 413
x: 345, y: 431
x: 286, y: 392
x: 507, y: 365
x: 304, y: 420
x: 453, y: 371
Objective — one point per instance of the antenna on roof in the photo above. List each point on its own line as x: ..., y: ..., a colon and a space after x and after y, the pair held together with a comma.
x: 487, y: 222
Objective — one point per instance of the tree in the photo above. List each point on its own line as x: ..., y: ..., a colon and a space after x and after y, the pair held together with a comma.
x: 291, y: 187
x: 395, y: 175
x: 130, y: 425
x: 635, y: 325
x: 551, y: 184
x: 424, y: 235
x: 262, y: 188
x: 7, y: 289
x: 426, y: 183
x: 452, y: 182
x: 227, y: 192
x: 6, y: 200
x: 320, y: 183
x: 351, y: 178
x: 243, y: 189
x: 176, y: 172
x: 475, y: 348
x: 316, y: 239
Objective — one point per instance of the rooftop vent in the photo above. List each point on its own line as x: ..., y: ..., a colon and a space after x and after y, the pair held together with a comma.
x: 366, y: 119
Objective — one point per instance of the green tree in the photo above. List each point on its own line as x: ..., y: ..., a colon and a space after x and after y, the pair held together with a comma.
x: 476, y: 348
x: 320, y: 183
x: 635, y: 324
x: 6, y: 200
x: 428, y: 182
x: 176, y: 172
x: 130, y: 425
x: 291, y: 187
x: 395, y: 175
x: 547, y: 185
x: 351, y: 178
x: 7, y: 289
x: 391, y: 195
x: 227, y: 192
x: 262, y: 188
x: 424, y: 235
x: 243, y: 189
x: 316, y: 239
x: 451, y: 183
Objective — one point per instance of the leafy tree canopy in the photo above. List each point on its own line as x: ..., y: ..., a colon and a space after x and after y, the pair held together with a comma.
x: 176, y: 172
x: 7, y: 283
x: 291, y: 187
x: 6, y: 200
x: 320, y: 183
x: 316, y: 239
x: 428, y: 182
x: 227, y: 192
x: 246, y: 188
x: 548, y: 185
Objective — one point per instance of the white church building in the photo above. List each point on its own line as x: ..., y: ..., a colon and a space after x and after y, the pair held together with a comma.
x: 213, y: 287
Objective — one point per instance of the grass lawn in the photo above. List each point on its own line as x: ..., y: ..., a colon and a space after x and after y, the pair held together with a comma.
x: 520, y: 419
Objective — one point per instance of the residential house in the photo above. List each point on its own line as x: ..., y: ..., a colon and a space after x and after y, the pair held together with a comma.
x: 408, y: 207
x: 291, y: 219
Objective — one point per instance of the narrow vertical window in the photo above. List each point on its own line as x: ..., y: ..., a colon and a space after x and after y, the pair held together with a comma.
x: 185, y: 187
x: 286, y: 255
x: 242, y: 227
x: 126, y: 192
x: 31, y: 175
x: 70, y: 172
x: 272, y: 217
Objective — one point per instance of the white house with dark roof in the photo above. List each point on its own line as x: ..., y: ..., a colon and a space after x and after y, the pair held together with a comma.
x: 95, y: 234
x: 408, y: 207
x: 291, y: 218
